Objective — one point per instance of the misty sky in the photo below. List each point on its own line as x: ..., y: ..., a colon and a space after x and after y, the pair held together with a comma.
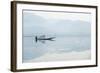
x: 56, y: 23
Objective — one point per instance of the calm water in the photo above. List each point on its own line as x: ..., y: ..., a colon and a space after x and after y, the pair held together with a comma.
x: 66, y: 44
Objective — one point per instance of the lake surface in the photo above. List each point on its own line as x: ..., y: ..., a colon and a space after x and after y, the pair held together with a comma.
x: 60, y: 45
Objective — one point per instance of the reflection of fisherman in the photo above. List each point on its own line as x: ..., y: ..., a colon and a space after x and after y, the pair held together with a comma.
x: 36, y: 38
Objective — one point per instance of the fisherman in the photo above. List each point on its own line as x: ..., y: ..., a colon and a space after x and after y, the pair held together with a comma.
x: 36, y: 38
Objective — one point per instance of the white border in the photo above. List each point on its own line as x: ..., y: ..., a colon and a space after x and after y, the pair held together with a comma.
x: 21, y: 65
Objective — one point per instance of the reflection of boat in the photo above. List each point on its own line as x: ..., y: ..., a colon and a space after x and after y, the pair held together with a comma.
x: 41, y: 38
